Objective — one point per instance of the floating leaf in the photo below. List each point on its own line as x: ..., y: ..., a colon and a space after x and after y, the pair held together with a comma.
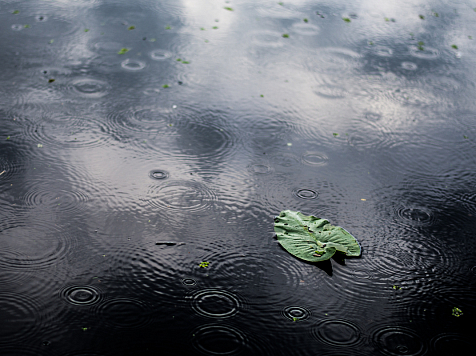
x: 51, y: 80
x: 313, y: 239
x: 215, y: 27
x: 15, y: 12
x: 123, y: 50
x: 306, y: 20
x: 335, y: 134
x: 228, y: 8
x: 285, y: 35
x: 204, y: 264
x: 346, y: 19
x: 168, y: 27
x: 421, y: 17
x: 131, y: 28
x: 454, y: 46
x: 165, y: 86
x: 86, y: 30
x: 26, y: 26
x: 457, y: 312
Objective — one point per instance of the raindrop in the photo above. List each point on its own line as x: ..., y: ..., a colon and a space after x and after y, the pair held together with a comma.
x: 395, y: 341
x: 81, y: 295
x: 132, y: 64
x: 338, y: 333
x: 306, y: 194
x: 218, y: 340
x: 90, y: 88
x: 409, y: 66
x: 160, y: 54
x: 214, y: 303
x: 158, y: 174
x: 189, y: 282
x: 314, y: 158
x: 296, y: 313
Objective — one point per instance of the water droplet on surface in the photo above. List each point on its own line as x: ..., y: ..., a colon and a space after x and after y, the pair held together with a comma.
x: 189, y: 282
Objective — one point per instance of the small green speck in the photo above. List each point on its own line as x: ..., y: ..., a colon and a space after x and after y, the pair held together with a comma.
x: 168, y: 27
x: 51, y: 80
x: 335, y: 134
x: 26, y: 26
x: 206, y: 41
x: 152, y: 40
x: 371, y: 43
x: 204, y: 264
x: 464, y: 136
x: 262, y: 95
x: 8, y: 137
x: 203, y: 28
x: 306, y: 20
x: 15, y: 12
x: 421, y: 43
x: 84, y: 329
x: 346, y: 19
x: 215, y: 27
x: 295, y: 319
x: 454, y: 46
x: 131, y: 28
x: 470, y: 37
x: 165, y: 86
x: 185, y: 62
x: 396, y: 287
x: 123, y: 50
x: 386, y: 19
x: 282, y: 3
x: 457, y: 312
x: 421, y: 17
x: 436, y: 14
x: 228, y: 8
x: 179, y: 59
x: 285, y: 35
x: 86, y: 30
x: 51, y: 41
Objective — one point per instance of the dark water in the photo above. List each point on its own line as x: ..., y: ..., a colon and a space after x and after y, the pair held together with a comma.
x: 121, y: 173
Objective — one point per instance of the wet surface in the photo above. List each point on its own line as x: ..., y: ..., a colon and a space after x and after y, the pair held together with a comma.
x: 146, y: 147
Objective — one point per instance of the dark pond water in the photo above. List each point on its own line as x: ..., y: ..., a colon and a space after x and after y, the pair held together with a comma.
x: 139, y: 139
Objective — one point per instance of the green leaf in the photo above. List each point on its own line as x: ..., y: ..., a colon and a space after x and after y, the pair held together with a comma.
x: 228, y: 8
x: 285, y: 35
x: 123, y: 50
x: 313, y: 239
x: 346, y: 19
x: 131, y: 28
x: 457, y: 312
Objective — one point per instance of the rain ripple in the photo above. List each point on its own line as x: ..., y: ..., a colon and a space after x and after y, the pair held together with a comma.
x: 89, y: 87
x: 124, y: 313
x: 219, y: 340
x: 20, y: 318
x: 398, y: 340
x: 216, y: 303
x: 84, y: 295
x: 338, y: 332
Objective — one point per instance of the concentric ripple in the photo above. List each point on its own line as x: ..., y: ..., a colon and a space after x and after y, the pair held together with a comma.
x: 452, y: 344
x: 89, y: 87
x: 409, y: 66
x: 304, y: 193
x: 58, y: 199
x: 296, y: 313
x: 20, y: 317
x: 260, y: 167
x: 314, y: 158
x: 81, y: 295
x: 218, y: 340
x: 141, y: 119
x: 160, y: 54
x: 189, y: 282
x: 181, y: 195
x: 215, y: 303
x: 158, y: 174
x: 396, y: 341
x: 425, y: 53
x: 338, y: 333
x: 415, y: 215
x: 125, y: 313
x: 38, y: 245
x: 133, y: 64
